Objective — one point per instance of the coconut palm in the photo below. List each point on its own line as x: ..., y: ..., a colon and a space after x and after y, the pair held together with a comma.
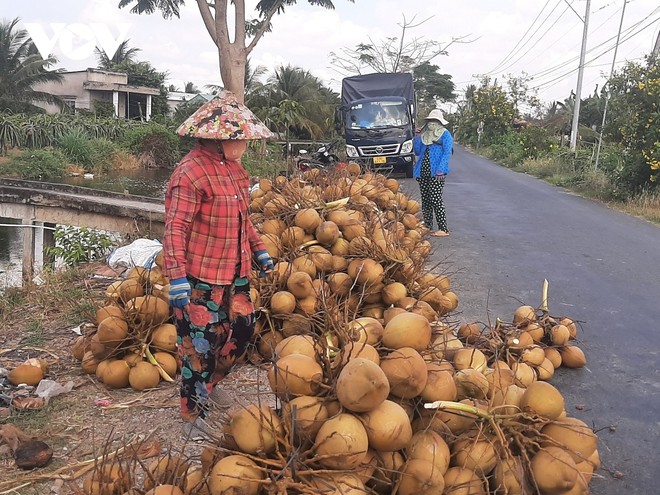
x: 21, y: 68
x: 122, y: 54
x: 190, y: 87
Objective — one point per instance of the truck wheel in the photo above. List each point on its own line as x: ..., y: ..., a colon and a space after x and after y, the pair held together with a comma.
x: 409, y: 171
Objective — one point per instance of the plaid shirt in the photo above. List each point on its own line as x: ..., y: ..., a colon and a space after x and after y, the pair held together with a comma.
x: 208, y: 231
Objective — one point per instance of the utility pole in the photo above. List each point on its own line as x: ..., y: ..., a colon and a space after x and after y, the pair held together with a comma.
x: 656, y: 50
x: 578, y: 90
x: 607, y: 98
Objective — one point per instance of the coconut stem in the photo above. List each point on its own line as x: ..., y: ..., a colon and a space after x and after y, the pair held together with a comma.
x: 459, y: 407
x: 150, y: 357
x: 544, y: 296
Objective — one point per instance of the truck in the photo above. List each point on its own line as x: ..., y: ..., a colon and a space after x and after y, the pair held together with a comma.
x: 377, y: 117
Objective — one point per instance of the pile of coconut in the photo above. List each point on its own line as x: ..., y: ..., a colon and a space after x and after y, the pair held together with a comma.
x: 132, y: 344
x: 377, y: 393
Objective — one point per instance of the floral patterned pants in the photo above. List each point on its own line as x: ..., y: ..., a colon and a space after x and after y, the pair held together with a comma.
x: 212, y: 334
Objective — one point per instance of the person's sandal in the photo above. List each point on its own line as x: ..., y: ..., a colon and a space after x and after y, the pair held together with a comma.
x: 440, y: 233
x: 220, y: 398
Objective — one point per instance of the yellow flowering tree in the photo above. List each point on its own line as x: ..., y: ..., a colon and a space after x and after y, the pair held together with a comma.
x: 491, y: 105
x: 635, y: 121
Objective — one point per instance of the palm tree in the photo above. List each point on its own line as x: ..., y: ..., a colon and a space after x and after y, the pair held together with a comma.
x: 190, y: 87
x: 122, y: 54
x: 21, y: 68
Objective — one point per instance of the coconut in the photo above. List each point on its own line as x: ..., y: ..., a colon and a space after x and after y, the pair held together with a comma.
x: 308, y: 305
x: 533, y: 355
x: 79, y: 347
x: 519, y: 340
x: 129, y: 289
x: 152, y: 310
x: 376, y: 311
x: 359, y: 245
x: 542, y: 399
x: 282, y: 270
x: 572, y: 434
x: 462, y: 481
x: 440, y: 383
x: 235, y: 474
x: 267, y: 342
x: 445, y: 346
x: 340, y: 283
x: 112, y: 292
x: 282, y: 302
x: 322, y: 258
x: 420, y: 477
x: 341, y: 443
x: 163, y: 338
x: 430, y: 446
x: 553, y: 356
x: 327, y: 233
x: 498, y: 379
x: 406, y: 371
x: 354, y: 350
x: 469, y: 332
x: 308, y: 219
x: 366, y: 271
x: 570, y: 324
x: 112, y: 331
x: 365, y: 329
x: 106, y: 311
x: 524, y: 315
x: 311, y: 413
x: 165, y: 490
x: 27, y: 374
x: 340, y: 248
x: 572, y: 356
x: 143, y: 376
x: 362, y: 385
x: 304, y: 263
x: 300, y: 285
x: 89, y: 363
x: 294, y: 375
x: 545, y: 370
x: 470, y: 358
x: 297, y: 344
x: 273, y: 226
x: 554, y: 470
x: 388, y: 427
x: 508, y: 477
x: 535, y: 331
x: 560, y: 335
x: 471, y: 383
x: 407, y: 330
x: 256, y: 429
x: 115, y: 374
x: 390, y: 313
x: 393, y: 292
x: 475, y: 453
x: 273, y: 245
x: 508, y: 400
x: 100, y: 369
x: 100, y: 350
x: 295, y: 325
x: 524, y: 374
x: 165, y: 360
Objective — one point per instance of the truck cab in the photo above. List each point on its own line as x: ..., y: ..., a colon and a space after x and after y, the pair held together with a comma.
x: 377, y: 118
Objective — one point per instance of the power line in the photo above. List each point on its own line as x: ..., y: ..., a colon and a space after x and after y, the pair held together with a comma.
x: 513, y: 50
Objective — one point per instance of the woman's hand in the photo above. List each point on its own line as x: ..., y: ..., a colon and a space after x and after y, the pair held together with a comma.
x: 180, y: 292
x: 265, y: 262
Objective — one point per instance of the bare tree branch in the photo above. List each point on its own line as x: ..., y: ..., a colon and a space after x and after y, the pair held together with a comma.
x: 265, y: 23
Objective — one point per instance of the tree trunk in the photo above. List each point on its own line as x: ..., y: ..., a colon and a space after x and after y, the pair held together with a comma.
x: 232, y: 69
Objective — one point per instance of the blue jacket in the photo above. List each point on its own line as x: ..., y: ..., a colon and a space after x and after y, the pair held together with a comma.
x: 439, y: 153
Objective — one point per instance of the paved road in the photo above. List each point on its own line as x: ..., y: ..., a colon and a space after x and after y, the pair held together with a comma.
x: 509, y: 232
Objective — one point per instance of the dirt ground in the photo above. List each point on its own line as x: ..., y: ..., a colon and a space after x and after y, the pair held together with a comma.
x: 91, y: 420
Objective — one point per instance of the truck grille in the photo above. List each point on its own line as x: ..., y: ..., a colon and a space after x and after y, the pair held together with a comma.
x: 386, y: 149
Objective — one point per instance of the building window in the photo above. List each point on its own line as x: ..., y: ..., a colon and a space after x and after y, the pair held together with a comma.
x: 69, y: 106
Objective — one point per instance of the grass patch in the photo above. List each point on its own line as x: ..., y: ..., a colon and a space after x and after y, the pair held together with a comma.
x: 35, y: 336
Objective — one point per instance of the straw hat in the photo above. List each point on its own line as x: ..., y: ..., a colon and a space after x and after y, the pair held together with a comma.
x: 222, y: 118
x: 436, y: 114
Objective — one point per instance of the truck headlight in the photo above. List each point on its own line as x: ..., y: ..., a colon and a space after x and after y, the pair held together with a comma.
x: 406, y: 147
x: 352, y: 152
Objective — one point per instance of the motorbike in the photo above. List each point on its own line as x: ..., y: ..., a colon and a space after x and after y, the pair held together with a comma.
x: 323, y: 158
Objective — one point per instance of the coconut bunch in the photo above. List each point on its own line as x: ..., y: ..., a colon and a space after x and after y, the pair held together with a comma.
x: 132, y: 344
x: 344, y: 247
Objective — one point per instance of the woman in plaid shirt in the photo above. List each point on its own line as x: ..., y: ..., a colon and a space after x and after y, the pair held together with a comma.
x: 208, y: 246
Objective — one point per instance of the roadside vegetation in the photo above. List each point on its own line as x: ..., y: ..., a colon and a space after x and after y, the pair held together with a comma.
x: 508, y: 124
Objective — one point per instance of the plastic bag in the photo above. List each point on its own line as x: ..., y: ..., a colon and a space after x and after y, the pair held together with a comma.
x: 141, y: 252
x: 50, y: 388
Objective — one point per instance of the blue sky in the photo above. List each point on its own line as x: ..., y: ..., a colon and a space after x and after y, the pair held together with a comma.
x: 305, y: 36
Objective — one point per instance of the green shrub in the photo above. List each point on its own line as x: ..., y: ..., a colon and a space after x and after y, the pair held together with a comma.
x: 154, y: 143
x: 75, y: 145
x: 104, y: 109
x: 76, y: 245
x: 103, y: 152
x: 35, y: 165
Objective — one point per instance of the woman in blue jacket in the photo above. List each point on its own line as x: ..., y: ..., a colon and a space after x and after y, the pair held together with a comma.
x: 433, y: 147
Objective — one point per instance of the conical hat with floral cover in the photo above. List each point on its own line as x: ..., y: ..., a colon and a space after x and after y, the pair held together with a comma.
x: 224, y: 117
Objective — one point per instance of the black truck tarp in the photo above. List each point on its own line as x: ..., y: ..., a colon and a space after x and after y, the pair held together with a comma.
x: 375, y: 85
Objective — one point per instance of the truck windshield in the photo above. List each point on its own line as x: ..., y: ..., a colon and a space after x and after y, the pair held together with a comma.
x: 377, y: 114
